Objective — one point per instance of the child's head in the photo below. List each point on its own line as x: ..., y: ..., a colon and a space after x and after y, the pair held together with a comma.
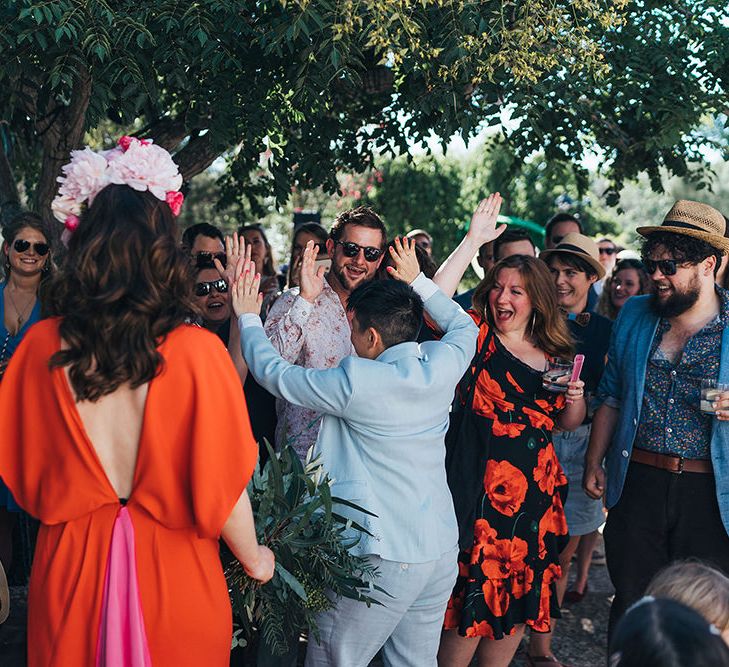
x: 659, y: 632
x: 698, y: 586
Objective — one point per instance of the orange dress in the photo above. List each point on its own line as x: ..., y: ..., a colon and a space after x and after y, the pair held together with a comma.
x: 196, y: 455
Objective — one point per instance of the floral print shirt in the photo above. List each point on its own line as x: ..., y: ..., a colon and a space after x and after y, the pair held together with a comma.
x: 670, y: 419
x: 313, y: 336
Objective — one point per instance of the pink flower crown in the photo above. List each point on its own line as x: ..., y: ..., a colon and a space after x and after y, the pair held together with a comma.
x: 137, y: 163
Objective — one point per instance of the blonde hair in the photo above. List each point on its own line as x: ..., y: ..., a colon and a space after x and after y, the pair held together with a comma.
x: 697, y: 585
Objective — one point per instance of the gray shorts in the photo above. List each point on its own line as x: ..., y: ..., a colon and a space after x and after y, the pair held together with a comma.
x: 582, y: 512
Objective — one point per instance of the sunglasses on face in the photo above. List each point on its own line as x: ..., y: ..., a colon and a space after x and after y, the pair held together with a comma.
x: 205, y: 259
x: 608, y: 251
x: 668, y: 267
x: 371, y: 254
x: 203, y: 289
x: 21, y: 245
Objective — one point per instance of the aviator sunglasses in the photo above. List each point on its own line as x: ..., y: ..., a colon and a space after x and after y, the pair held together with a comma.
x: 203, y: 289
x: 371, y: 254
x: 668, y: 267
x: 608, y: 251
x: 21, y: 245
x: 204, y: 260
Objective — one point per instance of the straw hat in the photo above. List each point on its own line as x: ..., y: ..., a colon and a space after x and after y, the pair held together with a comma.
x: 581, y: 246
x: 694, y: 219
x: 4, y: 596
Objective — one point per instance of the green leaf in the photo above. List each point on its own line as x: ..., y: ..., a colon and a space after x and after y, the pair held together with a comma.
x: 291, y: 580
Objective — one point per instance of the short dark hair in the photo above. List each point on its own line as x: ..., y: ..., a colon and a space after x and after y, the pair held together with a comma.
x: 200, y: 229
x: 363, y: 216
x: 511, y: 235
x: 389, y: 306
x: 665, y: 633
x: 682, y: 247
x: 560, y: 217
x: 425, y: 262
x: 574, y: 262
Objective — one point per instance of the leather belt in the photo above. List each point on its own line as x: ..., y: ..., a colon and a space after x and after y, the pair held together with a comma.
x: 674, y: 464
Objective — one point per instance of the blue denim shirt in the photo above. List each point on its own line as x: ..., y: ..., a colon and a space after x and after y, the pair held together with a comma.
x: 622, y: 387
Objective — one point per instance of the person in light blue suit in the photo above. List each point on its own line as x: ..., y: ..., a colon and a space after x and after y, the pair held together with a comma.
x: 382, y: 440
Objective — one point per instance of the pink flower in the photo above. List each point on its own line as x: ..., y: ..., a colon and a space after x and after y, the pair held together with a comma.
x: 175, y: 199
x: 84, y: 177
x: 127, y: 141
x: 71, y: 223
x: 146, y: 167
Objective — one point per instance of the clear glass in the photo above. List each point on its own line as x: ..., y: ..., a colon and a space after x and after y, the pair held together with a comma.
x: 710, y: 391
x: 557, y: 375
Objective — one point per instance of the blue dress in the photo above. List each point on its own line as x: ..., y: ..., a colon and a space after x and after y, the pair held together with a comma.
x: 8, y: 345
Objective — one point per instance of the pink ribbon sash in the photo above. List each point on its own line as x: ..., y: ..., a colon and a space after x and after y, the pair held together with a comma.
x: 122, y: 638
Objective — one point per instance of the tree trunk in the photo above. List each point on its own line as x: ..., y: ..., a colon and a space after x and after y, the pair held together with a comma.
x: 61, y: 133
x: 196, y: 156
x: 9, y: 198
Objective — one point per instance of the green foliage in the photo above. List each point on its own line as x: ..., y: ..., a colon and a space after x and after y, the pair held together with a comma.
x: 298, y: 519
x: 326, y: 86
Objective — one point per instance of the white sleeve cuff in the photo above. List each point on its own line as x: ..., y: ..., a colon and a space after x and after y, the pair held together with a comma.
x: 424, y: 287
x: 249, y: 320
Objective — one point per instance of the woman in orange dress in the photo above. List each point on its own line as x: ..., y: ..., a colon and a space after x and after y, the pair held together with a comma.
x: 126, y: 434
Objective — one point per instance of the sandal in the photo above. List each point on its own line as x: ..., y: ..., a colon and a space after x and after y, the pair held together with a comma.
x: 573, y: 596
x: 544, y: 661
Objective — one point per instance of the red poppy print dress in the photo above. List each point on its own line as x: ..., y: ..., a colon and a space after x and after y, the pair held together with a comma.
x: 507, y: 576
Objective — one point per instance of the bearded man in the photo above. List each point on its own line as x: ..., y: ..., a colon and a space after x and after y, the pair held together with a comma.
x: 312, y: 330
x: 667, y: 481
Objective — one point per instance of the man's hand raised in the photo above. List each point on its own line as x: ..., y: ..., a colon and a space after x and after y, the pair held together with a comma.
x: 311, y: 281
x: 406, y: 261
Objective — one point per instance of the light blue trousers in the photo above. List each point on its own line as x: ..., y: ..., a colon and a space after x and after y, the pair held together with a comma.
x: 406, y: 626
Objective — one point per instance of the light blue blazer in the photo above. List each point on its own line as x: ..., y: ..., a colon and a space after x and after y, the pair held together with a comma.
x: 622, y: 387
x: 382, y: 436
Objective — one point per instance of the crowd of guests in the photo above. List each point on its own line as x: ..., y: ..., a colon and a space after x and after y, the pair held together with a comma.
x: 161, y: 362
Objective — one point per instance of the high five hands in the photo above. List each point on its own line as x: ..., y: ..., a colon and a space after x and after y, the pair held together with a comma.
x: 483, y: 227
x: 406, y: 261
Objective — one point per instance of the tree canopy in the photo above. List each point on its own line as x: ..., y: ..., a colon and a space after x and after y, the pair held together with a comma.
x: 319, y: 86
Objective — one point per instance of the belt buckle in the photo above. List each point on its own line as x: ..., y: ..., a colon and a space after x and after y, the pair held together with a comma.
x: 680, y: 466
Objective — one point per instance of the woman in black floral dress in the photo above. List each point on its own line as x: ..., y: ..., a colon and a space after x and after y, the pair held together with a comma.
x: 512, y: 522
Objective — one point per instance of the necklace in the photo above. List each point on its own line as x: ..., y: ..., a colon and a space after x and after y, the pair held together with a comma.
x: 22, y: 314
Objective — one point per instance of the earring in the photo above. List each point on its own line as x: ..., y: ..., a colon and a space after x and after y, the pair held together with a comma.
x: 531, y: 329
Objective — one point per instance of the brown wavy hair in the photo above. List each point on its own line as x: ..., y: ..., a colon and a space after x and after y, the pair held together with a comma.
x: 549, y: 333
x: 125, y: 285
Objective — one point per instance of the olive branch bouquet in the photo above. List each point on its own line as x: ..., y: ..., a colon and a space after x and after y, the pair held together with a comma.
x: 295, y: 516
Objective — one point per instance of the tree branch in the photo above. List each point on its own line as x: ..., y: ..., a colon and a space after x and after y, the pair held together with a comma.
x: 196, y: 156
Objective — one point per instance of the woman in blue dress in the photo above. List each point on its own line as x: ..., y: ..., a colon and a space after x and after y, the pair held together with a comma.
x: 26, y: 255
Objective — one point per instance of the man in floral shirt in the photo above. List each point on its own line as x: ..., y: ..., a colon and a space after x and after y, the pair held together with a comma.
x: 313, y: 330
x: 666, y: 460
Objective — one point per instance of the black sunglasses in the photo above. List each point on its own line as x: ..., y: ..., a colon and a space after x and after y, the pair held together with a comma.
x: 204, y: 259
x: 608, y: 251
x: 371, y: 254
x: 668, y: 267
x: 21, y: 245
x: 203, y: 289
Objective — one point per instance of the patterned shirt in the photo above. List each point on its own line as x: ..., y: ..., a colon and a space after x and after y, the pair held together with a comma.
x: 313, y: 336
x: 670, y: 419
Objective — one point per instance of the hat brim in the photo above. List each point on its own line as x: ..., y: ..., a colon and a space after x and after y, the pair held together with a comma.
x: 714, y: 240
x: 595, y: 264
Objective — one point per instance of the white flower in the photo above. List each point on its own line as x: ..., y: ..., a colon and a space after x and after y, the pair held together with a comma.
x: 63, y: 206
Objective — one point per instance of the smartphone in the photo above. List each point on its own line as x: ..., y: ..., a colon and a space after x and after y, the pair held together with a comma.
x: 326, y: 262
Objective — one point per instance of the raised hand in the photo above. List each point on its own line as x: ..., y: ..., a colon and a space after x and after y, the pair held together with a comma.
x: 406, y: 266
x: 483, y: 221
x: 245, y: 296
x: 311, y: 280
x: 235, y: 248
